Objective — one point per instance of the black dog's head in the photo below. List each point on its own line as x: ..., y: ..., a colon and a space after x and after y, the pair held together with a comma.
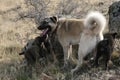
x: 114, y: 35
x: 109, y: 35
x: 48, y: 24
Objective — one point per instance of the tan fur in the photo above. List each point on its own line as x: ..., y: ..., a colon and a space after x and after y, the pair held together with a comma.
x: 85, y: 32
x: 69, y: 32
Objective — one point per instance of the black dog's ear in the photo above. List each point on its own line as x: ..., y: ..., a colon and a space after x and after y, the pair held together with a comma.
x: 54, y: 19
x: 114, y: 35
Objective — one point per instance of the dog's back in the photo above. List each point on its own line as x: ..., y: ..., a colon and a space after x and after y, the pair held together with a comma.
x: 34, y: 50
x: 104, y: 47
x: 103, y: 43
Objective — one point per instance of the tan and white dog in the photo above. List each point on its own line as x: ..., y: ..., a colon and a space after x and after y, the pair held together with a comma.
x: 85, y: 32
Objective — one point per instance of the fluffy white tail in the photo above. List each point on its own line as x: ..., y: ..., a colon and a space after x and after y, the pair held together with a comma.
x: 95, y: 21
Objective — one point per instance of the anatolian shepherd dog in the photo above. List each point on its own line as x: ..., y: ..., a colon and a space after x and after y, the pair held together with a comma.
x: 85, y: 32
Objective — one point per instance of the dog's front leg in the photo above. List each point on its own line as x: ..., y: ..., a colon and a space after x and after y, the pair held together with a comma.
x: 66, y: 56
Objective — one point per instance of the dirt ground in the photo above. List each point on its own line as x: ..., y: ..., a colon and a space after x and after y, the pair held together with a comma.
x: 18, y: 25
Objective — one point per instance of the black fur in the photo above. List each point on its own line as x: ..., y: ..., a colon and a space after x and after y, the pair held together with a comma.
x: 37, y: 50
x: 45, y: 23
x: 105, y: 48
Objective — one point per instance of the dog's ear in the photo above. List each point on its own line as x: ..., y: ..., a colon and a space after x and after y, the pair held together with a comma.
x: 54, y: 19
x: 114, y: 35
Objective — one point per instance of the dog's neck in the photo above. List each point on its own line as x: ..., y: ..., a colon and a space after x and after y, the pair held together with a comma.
x: 55, y: 30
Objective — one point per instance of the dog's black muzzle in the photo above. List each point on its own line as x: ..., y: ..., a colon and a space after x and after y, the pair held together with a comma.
x: 46, y: 29
x: 43, y: 27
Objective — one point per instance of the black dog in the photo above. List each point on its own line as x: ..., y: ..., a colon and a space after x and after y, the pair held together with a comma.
x: 105, y: 48
x: 38, y: 48
x: 34, y: 50
x: 46, y: 37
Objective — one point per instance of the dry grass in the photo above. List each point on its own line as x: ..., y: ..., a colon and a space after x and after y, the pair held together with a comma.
x: 15, y: 33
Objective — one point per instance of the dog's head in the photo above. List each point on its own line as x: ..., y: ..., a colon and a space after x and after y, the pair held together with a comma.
x: 26, y: 47
x: 114, y: 35
x: 48, y: 24
x: 110, y: 35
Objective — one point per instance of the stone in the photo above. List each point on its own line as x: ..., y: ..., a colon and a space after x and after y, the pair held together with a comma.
x: 114, y: 17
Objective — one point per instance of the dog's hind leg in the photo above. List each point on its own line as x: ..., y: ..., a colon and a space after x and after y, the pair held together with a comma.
x: 79, y: 62
x: 107, y: 62
x: 98, y: 55
x: 70, y: 52
x: 107, y: 58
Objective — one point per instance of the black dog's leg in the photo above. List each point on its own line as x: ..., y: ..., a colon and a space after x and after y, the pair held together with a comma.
x: 49, y: 47
x: 107, y: 57
x: 98, y: 55
x: 106, y: 62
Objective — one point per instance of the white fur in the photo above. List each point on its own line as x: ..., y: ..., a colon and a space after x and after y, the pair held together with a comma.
x: 88, y: 40
x: 87, y: 43
x: 98, y: 18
